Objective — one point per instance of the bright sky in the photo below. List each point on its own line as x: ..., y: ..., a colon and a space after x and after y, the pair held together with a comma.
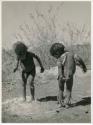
x: 16, y: 13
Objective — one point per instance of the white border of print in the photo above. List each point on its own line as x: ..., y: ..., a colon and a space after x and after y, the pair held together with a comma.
x: 91, y: 59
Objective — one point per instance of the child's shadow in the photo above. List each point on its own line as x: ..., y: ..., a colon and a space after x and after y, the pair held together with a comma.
x: 48, y: 98
x: 84, y: 101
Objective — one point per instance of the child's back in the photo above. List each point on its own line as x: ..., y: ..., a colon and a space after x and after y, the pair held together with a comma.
x: 68, y: 64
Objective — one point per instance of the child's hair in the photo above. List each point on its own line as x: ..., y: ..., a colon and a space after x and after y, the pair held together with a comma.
x: 57, y: 48
x: 19, y: 47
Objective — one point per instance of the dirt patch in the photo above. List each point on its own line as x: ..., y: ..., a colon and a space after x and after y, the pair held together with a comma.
x: 17, y: 107
x: 45, y: 109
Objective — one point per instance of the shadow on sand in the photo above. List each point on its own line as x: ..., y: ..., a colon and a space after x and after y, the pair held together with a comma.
x: 48, y: 98
x: 84, y: 101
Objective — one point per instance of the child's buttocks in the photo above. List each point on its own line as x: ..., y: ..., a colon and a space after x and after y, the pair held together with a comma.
x: 68, y: 64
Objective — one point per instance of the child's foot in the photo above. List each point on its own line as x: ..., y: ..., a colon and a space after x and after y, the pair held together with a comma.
x: 61, y: 105
x: 67, y: 106
x: 31, y: 100
x: 57, y: 102
x: 23, y: 100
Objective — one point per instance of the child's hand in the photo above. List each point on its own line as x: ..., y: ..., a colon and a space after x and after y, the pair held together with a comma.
x: 61, y: 77
x: 14, y: 70
x: 85, y: 70
x: 42, y: 70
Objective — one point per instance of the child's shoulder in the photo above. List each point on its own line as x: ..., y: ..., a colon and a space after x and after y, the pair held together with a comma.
x: 67, y: 53
x: 63, y: 57
x: 30, y: 53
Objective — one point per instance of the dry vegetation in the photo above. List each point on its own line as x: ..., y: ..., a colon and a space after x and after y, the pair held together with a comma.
x: 41, y: 31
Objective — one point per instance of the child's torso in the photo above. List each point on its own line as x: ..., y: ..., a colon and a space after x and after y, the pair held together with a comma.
x: 68, y: 63
x: 28, y: 63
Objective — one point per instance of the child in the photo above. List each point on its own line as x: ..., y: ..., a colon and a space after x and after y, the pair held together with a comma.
x: 25, y: 59
x: 66, y: 62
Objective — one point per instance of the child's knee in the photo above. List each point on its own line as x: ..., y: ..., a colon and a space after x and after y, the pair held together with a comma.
x: 61, y: 79
x: 69, y: 87
x: 24, y: 84
x: 61, y: 84
x: 30, y: 79
x: 69, y: 84
x: 32, y: 86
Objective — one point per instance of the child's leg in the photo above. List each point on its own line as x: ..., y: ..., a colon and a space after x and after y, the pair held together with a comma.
x: 69, y: 84
x: 32, y: 88
x: 24, y: 80
x: 61, y: 83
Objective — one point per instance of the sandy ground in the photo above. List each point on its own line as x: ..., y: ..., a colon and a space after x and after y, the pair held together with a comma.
x: 45, y: 108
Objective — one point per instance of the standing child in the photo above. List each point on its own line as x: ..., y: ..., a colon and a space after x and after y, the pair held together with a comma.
x: 25, y: 59
x: 66, y: 62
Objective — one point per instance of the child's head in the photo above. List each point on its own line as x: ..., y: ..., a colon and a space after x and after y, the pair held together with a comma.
x: 20, y: 50
x: 57, y: 49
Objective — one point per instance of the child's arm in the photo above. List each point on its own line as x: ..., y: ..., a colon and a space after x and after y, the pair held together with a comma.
x: 80, y: 62
x: 39, y: 61
x: 16, y: 65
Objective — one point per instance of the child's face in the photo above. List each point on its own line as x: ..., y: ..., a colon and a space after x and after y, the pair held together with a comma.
x: 21, y: 55
x: 57, y: 55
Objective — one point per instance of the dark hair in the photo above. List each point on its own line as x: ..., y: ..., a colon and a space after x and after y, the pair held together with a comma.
x: 57, y: 48
x: 19, y: 47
